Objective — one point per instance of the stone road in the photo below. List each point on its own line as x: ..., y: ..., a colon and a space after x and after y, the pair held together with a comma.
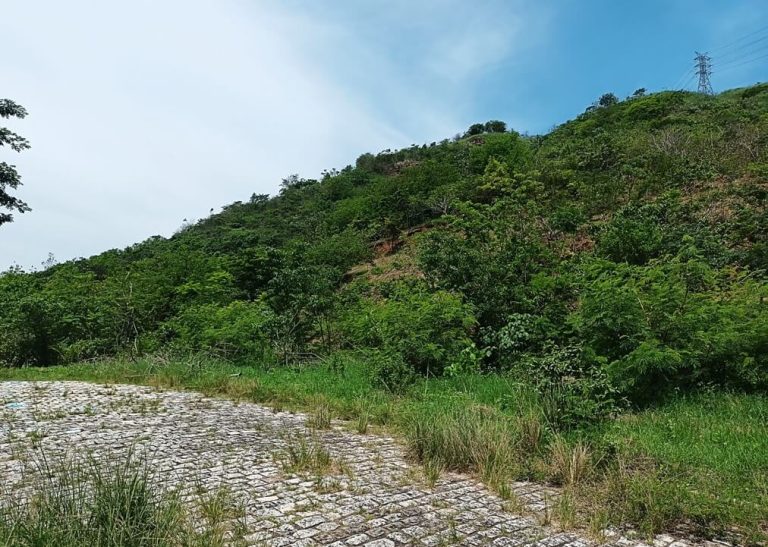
x: 370, y: 494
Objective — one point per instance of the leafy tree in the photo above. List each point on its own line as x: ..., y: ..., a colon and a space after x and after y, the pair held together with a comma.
x: 607, y: 99
x: 495, y: 126
x: 9, y: 177
x: 475, y: 129
x: 295, y: 182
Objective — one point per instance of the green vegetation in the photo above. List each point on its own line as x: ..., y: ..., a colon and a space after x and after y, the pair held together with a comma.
x: 587, y: 307
x: 77, y: 503
x: 9, y: 177
x: 697, y: 461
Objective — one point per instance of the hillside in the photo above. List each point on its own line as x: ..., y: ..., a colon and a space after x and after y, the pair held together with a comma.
x: 613, y: 233
x: 601, y: 291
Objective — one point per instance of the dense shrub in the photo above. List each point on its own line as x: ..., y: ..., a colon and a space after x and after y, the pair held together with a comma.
x: 675, y: 323
x: 574, y: 388
x: 491, y: 255
x: 389, y: 370
x: 426, y: 328
x: 239, y: 330
x: 633, y: 235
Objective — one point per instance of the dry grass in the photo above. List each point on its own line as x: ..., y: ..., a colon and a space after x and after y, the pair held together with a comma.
x: 569, y: 464
x: 320, y: 416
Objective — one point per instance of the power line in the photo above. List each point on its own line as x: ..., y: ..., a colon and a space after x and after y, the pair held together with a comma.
x: 740, y: 58
x: 687, y: 74
x: 736, y: 53
x: 745, y: 62
x: 688, y: 82
x: 735, y: 42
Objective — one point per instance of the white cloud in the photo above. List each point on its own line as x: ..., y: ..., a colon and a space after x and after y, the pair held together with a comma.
x: 144, y: 113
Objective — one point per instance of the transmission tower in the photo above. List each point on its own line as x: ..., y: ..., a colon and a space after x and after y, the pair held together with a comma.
x: 704, y: 71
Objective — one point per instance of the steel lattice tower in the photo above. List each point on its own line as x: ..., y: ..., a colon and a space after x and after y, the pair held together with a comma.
x: 704, y: 71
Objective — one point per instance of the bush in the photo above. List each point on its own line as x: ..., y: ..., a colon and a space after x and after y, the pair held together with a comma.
x: 675, y: 323
x: 427, y: 329
x: 237, y: 331
x: 390, y: 371
x: 521, y: 333
x: 633, y: 236
x: 508, y: 148
x: 574, y: 388
x: 567, y: 218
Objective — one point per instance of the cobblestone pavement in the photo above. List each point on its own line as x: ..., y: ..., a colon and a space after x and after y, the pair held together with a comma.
x: 370, y: 496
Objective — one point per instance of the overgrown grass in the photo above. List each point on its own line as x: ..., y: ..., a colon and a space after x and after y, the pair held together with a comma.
x: 702, y: 459
x: 464, y: 438
x: 699, y: 462
x: 81, y: 502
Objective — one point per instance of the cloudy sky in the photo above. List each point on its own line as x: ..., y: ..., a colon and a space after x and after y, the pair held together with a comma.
x: 145, y: 113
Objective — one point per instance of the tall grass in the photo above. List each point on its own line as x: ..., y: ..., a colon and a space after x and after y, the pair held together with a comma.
x: 464, y: 436
x: 569, y: 463
x: 75, y: 503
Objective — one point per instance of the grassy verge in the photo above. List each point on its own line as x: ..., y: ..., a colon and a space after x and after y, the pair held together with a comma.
x: 699, y: 462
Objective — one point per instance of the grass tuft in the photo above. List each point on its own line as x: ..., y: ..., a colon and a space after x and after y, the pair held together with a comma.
x: 473, y: 439
x: 82, y: 502
x: 320, y: 416
x: 433, y: 468
x: 303, y: 456
x: 569, y: 463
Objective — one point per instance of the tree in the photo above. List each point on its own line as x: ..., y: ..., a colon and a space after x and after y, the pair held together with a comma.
x: 258, y: 199
x: 9, y: 177
x: 475, y: 129
x: 495, y: 126
x: 608, y: 99
x: 294, y: 182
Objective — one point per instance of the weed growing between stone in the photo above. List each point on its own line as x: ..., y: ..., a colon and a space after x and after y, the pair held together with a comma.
x: 75, y: 502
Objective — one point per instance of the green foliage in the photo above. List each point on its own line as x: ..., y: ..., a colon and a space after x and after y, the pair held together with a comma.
x: 675, y: 323
x: 236, y: 331
x: 633, y: 235
x: 425, y: 328
x: 622, y: 251
x: 9, y: 177
x: 567, y: 218
x: 390, y: 371
x: 509, y: 148
x: 608, y: 99
x: 492, y: 126
x: 574, y: 389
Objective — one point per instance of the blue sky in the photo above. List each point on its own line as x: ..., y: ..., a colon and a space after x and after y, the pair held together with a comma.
x: 145, y: 113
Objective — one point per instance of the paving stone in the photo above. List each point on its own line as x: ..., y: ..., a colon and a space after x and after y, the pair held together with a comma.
x: 194, y: 441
